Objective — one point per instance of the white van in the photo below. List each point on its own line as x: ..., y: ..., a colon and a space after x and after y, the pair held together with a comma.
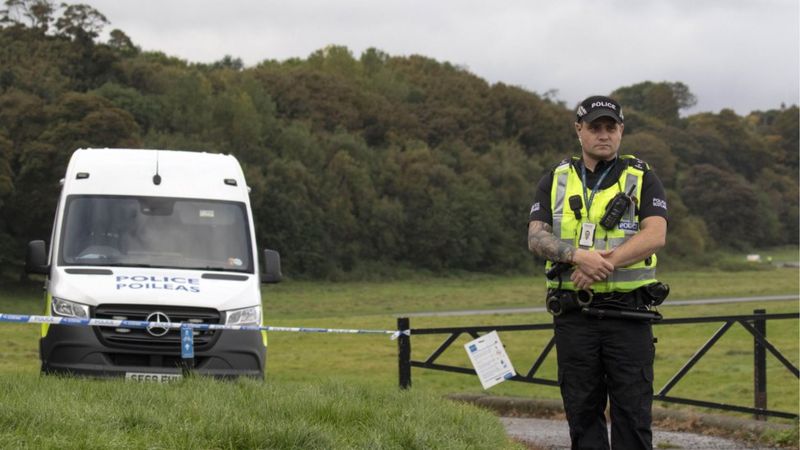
x: 158, y: 236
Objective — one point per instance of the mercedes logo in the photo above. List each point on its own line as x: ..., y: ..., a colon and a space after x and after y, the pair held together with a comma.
x: 157, y: 331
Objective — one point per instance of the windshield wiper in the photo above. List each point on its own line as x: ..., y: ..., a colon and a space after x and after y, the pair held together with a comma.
x: 119, y: 264
x: 212, y: 268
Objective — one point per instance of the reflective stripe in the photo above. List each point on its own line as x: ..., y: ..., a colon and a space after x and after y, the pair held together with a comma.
x: 616, y: 242
x: 558, y: 207
x: 622, y: 275
x: 557, y: 226
x: 631, y: 180
x: 607, y: 243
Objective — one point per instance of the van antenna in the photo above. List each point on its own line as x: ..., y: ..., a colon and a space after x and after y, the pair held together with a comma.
x: 156, y: 177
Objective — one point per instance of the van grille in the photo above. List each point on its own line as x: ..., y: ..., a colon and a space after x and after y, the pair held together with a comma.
x: 139, y: 338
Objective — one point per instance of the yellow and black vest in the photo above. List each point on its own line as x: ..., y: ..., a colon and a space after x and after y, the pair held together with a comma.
x: 566, y: 183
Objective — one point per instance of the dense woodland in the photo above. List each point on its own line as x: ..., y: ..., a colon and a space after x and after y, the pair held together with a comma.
x: 372, y: 163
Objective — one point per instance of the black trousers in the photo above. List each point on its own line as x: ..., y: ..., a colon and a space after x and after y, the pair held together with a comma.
x: 601, y: 359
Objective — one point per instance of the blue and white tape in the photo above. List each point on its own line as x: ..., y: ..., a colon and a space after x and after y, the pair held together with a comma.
x: 73, y: 321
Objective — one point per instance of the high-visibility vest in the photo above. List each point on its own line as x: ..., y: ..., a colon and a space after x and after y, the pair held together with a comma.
x: 566, y: 183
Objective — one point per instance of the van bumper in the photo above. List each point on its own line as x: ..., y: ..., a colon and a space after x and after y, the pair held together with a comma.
x: 78, y: 351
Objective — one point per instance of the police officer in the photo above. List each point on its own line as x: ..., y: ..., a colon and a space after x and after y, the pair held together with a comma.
x: 611, y: 266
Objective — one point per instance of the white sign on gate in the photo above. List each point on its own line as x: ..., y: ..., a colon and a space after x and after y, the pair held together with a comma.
x: 490, y: 360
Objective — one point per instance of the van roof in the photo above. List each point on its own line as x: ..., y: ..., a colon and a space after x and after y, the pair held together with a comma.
x: 131, y: 172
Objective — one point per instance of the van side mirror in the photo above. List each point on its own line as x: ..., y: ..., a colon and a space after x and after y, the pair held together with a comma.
x: 36, y: 258
x: 271, y: 270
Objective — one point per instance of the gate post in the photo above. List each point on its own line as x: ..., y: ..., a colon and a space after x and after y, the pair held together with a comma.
x: 404, y: 352
x: 759, y: 366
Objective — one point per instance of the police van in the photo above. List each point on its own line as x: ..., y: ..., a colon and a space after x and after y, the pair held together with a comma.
x: 158, y: 236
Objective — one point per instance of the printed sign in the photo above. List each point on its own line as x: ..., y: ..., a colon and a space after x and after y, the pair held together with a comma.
x: 490, y: 360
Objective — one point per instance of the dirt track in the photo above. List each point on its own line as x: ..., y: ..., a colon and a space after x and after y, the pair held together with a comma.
x: 554, y: 434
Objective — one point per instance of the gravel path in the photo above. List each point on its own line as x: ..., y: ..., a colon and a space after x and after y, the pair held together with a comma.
x: 554, y: 434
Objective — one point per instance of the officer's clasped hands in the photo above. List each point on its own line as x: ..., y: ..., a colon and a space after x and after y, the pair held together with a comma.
x: 590, y: 266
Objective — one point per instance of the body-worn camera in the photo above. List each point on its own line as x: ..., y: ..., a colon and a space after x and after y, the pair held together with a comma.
x: 616, y: 208
x: 559, y: 301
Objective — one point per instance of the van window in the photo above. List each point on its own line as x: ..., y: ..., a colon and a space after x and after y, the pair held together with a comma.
x: 155, y: 232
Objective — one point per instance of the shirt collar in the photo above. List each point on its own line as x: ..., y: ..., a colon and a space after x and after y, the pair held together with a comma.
x: 601, y: 165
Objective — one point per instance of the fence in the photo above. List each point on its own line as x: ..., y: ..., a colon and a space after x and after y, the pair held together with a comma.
x: 755, y: 324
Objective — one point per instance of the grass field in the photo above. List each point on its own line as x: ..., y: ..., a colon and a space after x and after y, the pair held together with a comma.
x: 305, y: 361
x: 59, y: 413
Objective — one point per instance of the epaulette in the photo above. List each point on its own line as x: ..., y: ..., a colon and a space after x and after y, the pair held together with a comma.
x: 568, y: 160
x: 635, y: 162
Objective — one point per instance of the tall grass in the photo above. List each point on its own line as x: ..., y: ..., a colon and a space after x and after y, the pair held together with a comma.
x: 52, y: 412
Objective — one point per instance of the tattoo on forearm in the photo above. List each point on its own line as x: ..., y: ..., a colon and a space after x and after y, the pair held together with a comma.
x: 543, y: 243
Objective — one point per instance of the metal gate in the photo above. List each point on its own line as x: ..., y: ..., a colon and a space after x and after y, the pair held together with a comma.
x: 755, y: 324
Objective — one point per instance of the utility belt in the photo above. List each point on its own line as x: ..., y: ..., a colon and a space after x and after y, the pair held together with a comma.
x: 633, y: 305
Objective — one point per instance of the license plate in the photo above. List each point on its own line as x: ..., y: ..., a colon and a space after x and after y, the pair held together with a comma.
x: 156, y: 377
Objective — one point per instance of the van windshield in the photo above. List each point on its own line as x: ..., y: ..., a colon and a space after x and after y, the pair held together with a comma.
x: 155, y: 232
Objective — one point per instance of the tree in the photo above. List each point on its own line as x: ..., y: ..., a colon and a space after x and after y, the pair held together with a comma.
x: 662, y: 100
x: 187, y: 101
x: 8, y: 253
x: 655, y: 152
x: 538, y: 126
x: 81, y: 22
x: 335, y: 58
x: 37, y: 13
x: 779, y: 128
x: 229, y: 62
x: 358, y: 163
x: 735, y: 213
x: 22, y: 116
x: 778, y: 188
x: 291, y: 218
x: 74, y: 121
x: 235, y: 123
x: 687, y: 236
x: 144, y: 108
x: 120, y: 42
x: 737, y: 143
x: 373, y: 61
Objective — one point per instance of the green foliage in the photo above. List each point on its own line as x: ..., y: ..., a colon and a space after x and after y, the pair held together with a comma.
x: 38, y: 14
x: 371, y: 160
x: 732, y: 208
x: 688, y: 238
x: 660, y: 100
x: 81, y: 22
x: 738, y: 142
x: 656, y: 152
x: 121, y: 43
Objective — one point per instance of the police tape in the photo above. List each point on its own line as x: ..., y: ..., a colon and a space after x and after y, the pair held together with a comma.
x: 74, y: 321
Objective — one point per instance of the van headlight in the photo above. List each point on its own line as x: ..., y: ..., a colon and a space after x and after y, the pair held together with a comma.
x: 244, y: 316
x: 66, y: 308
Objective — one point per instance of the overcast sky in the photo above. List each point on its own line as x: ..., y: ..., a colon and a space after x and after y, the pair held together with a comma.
x: 741, y: 54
